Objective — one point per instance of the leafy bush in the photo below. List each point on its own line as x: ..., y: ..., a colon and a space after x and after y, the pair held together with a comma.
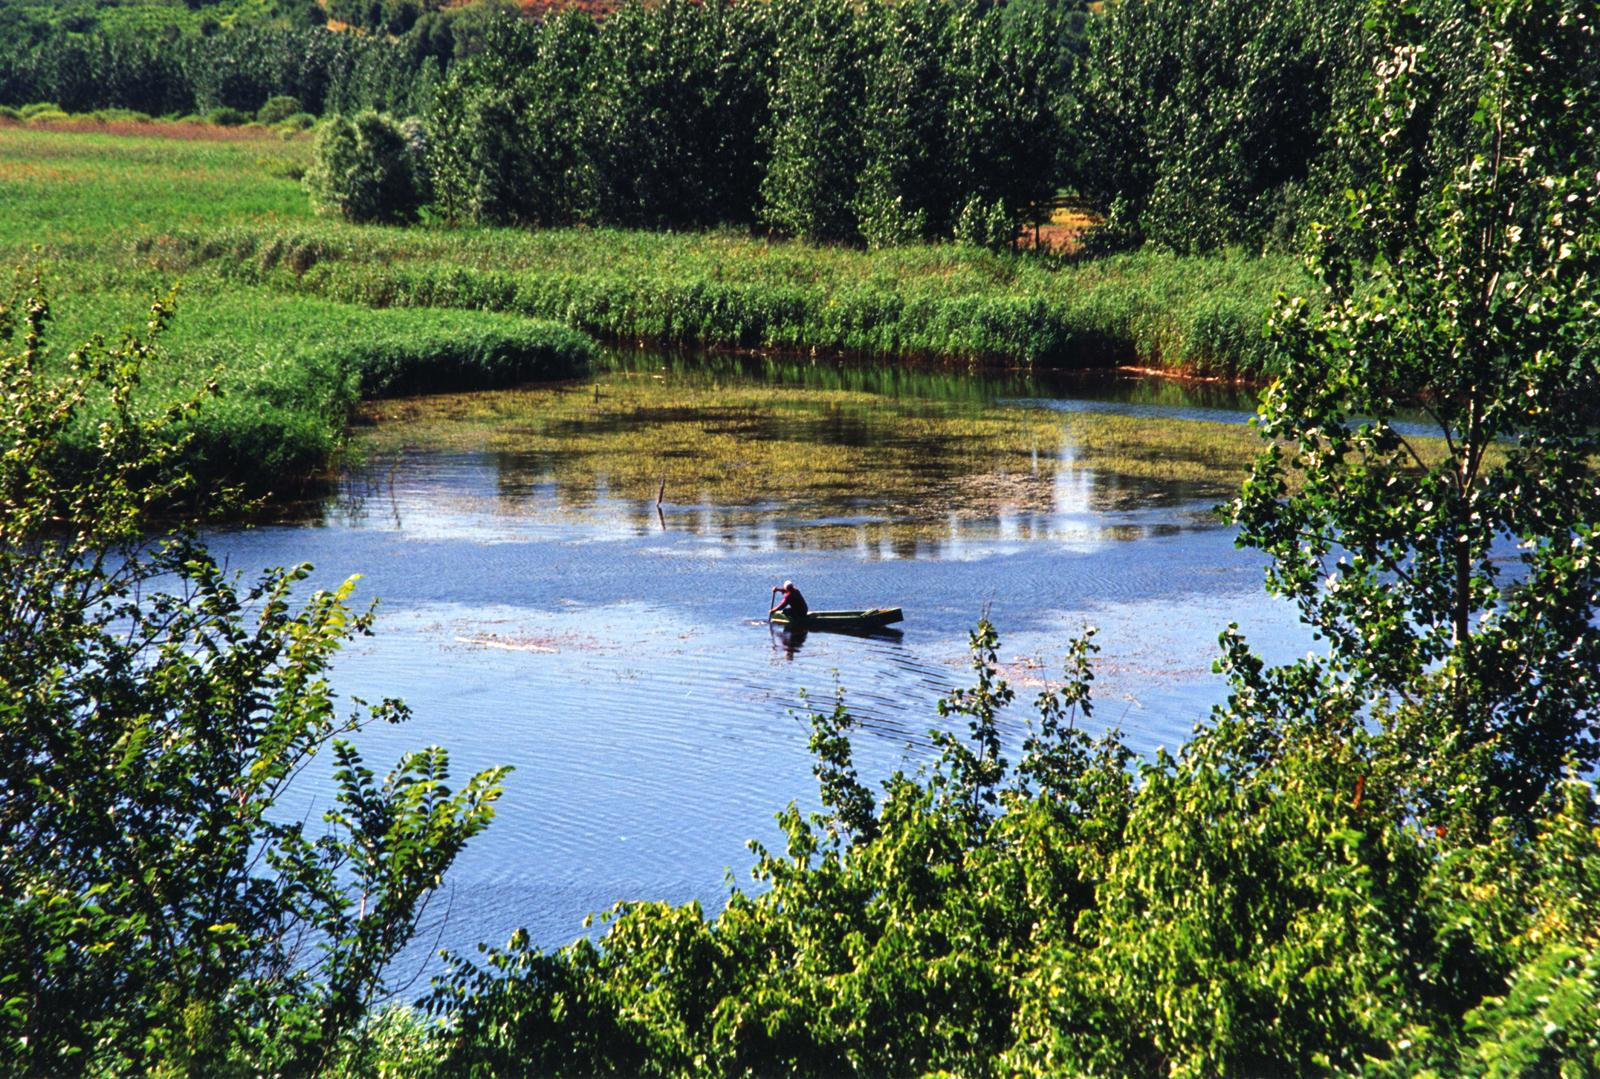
x: 48, y: 116
x: 155, y: 914
x: 9, y: 113
x: 366, y: 170
x: 30, y: 111
x: 227, y: 117
x: 278, y: 108
x: 984, y: 223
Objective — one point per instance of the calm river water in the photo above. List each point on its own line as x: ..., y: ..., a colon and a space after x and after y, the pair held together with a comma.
x: 535, y: 608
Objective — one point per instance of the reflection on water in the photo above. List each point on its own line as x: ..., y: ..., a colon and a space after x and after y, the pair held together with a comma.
x: 501, y: 497
x: 785, y: 456
x: 793, y: 638
x: 539, y: 608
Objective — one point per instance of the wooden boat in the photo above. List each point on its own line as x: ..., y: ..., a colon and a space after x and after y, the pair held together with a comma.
x: 872, y: 618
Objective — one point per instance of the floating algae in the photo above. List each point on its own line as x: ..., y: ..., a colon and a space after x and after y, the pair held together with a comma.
x: 835, y: 466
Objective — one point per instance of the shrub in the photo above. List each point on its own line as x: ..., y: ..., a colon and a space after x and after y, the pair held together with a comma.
x: 985, y: 223
x: 227, y: 117
x: 885, y: 220
x: 160, y: 909
x: 365, y: 170
x: 279, y: 108
x: 28, y: 112
x: 9, y: 113
x: 49, y: 116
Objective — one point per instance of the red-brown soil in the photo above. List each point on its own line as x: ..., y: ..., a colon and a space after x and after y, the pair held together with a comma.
x: 187, y: 131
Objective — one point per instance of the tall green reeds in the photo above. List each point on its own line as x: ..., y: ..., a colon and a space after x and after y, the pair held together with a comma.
x: 289, y: 370
x: 1195, y: 315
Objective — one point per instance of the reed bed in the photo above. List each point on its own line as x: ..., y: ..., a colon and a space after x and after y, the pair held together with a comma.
x: 728, y: 290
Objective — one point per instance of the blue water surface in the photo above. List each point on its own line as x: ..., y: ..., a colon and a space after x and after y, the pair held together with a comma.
x: 616, y: 658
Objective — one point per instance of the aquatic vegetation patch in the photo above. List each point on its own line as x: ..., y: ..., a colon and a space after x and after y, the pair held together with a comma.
x: 634, y: 435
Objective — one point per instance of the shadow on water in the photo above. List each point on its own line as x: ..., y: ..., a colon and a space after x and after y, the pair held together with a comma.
x: 942, y: 382
x: 791, y: 639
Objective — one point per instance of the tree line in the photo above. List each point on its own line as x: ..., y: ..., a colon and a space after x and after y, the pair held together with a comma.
x: 180, y: 66
x: 1188, y: 126
x: 876, y: 123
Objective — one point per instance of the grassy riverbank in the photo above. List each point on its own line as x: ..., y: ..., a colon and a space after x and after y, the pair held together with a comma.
x: 731, y: 290
x: 289, y: 370
x: 233, y: 210
x: 298, y: 317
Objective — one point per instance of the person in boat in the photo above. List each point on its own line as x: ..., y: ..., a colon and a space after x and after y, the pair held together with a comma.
x: 791, y: 603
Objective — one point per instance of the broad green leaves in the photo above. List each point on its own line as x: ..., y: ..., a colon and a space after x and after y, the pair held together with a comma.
x: 1453, y: 575
x: 154, y: 913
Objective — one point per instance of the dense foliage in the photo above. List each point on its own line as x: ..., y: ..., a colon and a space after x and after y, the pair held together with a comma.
x: 156, y: 912
x: 827, y: 121
x: 87, y: 58
x: 369, y: 168
x: 1471, y: 569
x: 1192, y: 126
x: 1203, y: 123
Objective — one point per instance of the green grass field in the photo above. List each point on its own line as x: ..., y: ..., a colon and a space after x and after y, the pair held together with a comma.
x: 297, y: 317
x: 76, y: 208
